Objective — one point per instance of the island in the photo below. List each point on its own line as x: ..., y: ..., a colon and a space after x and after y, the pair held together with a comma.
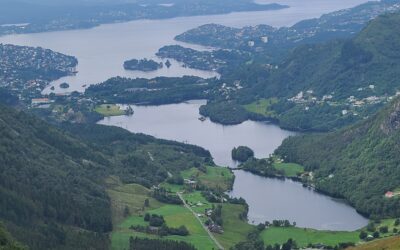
x: 143, y: 65
x: 242, y: 153
x: 64, y: 85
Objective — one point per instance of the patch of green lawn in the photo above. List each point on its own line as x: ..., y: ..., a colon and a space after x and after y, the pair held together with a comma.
x: 235, y: 229
x: 194, y: 198
x: 131, y: 196
x: 303, y: 236
x: 262, y: 107
x: 109, y: 110
x: 290, y: 169
x: 216, y: 177
x: 175, y: 216
x: 172, y: 188
x: 389, y: 223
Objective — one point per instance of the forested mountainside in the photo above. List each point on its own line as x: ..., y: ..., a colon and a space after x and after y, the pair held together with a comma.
x: 7, y: 242
x: 359, y: 163
x: 325, y: 86
x: 52, y: 183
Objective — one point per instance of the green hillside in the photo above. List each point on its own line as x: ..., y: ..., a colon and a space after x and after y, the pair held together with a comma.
x: 320, y: 87
x: 52, y: 183
x: 364, y: 67
x: 359, y: 163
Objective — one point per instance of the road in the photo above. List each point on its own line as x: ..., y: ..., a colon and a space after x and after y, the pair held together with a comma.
x: 204, y: 226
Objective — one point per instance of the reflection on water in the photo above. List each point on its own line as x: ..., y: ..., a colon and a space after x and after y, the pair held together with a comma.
x: 268, y: 199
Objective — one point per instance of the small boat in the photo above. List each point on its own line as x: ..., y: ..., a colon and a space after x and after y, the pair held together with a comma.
x: 202, y: 118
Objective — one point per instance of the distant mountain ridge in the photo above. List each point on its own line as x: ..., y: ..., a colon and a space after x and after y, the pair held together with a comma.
x: 274, y: 42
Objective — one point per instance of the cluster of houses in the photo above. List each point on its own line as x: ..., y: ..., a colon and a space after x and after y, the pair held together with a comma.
x: 307, y: 97
x: 19, y: 63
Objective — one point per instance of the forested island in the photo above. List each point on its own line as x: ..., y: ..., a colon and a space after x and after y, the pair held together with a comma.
x: 205, y: 60
x: 160, y: 90
x: 142, y: 65
x: 242, y: 153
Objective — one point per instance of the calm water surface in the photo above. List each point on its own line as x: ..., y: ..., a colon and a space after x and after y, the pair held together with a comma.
x: 180, y: 122
x: 101, y: 51
x: 271, y: 199
x: 268, y: 199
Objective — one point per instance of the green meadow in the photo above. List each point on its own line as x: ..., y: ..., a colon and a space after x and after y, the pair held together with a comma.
x: 262, y: 107
x: 304, y: 236
x: 109, y: 110
x: 290, y: 169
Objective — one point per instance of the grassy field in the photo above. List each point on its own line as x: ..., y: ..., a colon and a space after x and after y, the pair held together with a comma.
x: 216, y: 177
x: 290, y: 169
x: 197, y: 202
x: 175, y: 216
x: 109, y: 110
x: 133, y: 197
x: 389, y: 223
x: 235, y: 230
x: 391, y: 243
x: 305, y: 236
x: 262, y: 107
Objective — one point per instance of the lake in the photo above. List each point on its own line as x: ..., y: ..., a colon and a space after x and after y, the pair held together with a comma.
x: 286, y: 199
x: 268, y: 198
x: 102, y: 50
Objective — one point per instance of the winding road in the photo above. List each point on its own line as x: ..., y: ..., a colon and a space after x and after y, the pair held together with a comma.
x: 204, y: 226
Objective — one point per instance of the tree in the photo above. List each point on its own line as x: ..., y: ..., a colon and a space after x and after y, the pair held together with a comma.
x: 242, y: 153
x: 146, y: 203
x: 371, y: 227
x: 363, y: 235
x: 126, y: 211
x: 384, y: 229
x: 397, y: 222
x: 375, y: 234
x: 260, y: 227
x: 147, y: 217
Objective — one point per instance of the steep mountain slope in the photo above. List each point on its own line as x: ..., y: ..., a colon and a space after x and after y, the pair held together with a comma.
x: 7, y: 242
x: 343, y: 67
x: 319, y: 87
x: 45, y: 182
x: 360, y: 163
x: 51, y: 183
x: 356, y: 75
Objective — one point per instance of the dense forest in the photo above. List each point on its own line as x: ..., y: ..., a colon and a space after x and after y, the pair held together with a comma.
x: 51, y: 183
x: 160, y: 90
x: 154, y: 244
x: 242, y: 153
x: 142, y: 65
x: 359, y: 163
